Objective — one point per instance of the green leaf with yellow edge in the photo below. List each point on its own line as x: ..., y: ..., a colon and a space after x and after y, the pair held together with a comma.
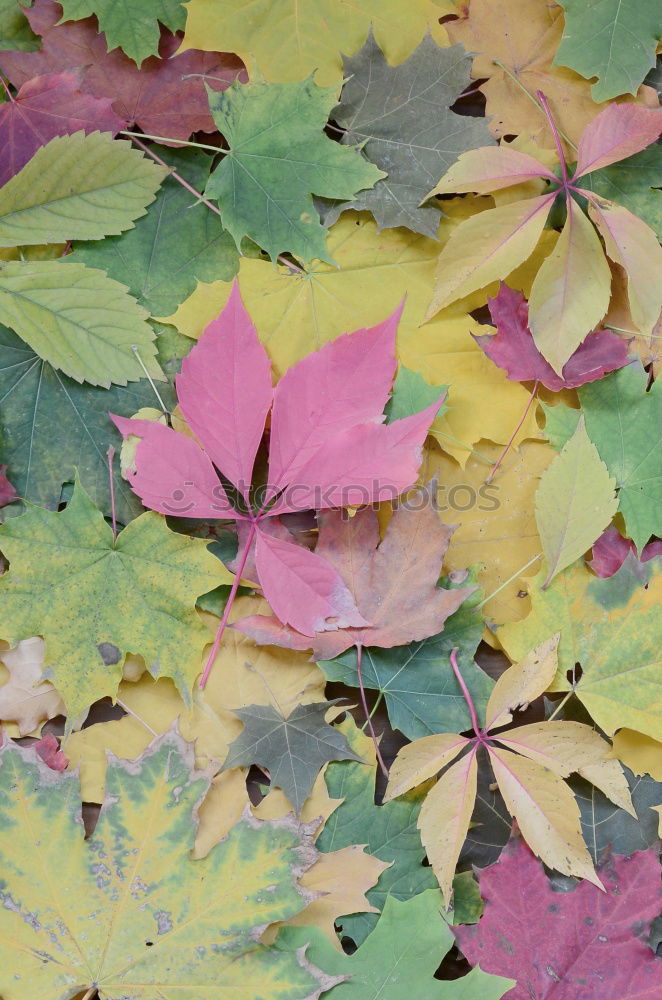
x: 298, y: 313
x: 133, y: 27
x: 78, y: 186
x: 128, y: 912
x: 575, y: 502
x: 78, y: 320
x: 399, y: 958
x: 94, y: 599
x: 279, y: 157
x: 290, y: 39
x: 611, y: 629
x: 15, y: 32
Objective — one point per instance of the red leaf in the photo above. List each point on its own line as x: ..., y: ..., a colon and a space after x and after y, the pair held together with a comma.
x: 47, y: 106
x: 7, y: 492
x: 513, y: 349
x: 579, y: 945
x: 156, y: 97
x: 621, y: 130
x: 48, y: 749
x: 611, y: 550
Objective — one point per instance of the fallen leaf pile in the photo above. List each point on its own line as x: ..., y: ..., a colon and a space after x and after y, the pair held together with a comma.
x: 330, y: 500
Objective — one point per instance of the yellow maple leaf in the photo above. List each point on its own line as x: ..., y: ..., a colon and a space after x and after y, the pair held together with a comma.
x: 642, y: 754
x: 290, y: 39
x: 298, y: 313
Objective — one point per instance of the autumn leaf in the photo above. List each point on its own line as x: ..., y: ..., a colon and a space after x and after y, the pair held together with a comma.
x: 163, y: 892
x: 25, y: 698
x: 166, y: 96
x: 402, y: 952
x: 610, y: 551
x: 124, y: 600
x: 381, y: 109
x: 45, y: 107
x: 290, y: 41
x: 278, y: 158
x: 133, y: 29
x: 7, y: 492
x: 292, y: 748
x: 579, y: 932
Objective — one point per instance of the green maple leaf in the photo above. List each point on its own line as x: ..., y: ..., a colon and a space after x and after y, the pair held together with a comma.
x: 178, y: 243
x: 94, y: 599
x: 620, y: 415
x: 420, y: 689
x: 52, y: 425
x: 279, y: 157
x: 399, y: 958
x: 613, y: 40
x: 402, y: 115
x: 292, y: 749
x: 127, y: 912
x: 411, y: 394
x: 133, y: 27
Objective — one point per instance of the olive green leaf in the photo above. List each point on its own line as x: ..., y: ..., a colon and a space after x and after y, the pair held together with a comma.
x: 15, y: 31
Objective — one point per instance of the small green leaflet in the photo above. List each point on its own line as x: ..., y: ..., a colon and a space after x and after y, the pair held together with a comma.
x: 176, y: 244
x: 94, y: 599
x: 79, y: 320
x: 133, y: 27
x: 292, y: 749
x: 560, y: 423
x: 623, y: 421
x: 279, y: 157
x: 399, y: 958
x: 78, y: 186
x: 34, y: 399
x: 575, y: 502
x: 411, y: 394
x: 613, y: 40
x: 401, y: 117
x: 15, y: 32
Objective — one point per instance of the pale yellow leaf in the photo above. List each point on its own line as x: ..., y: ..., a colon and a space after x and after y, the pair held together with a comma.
x: 642, y: 754
x: 522, y: 683
x: 570, y: 294
x: 420, y: 760
x: 444, y: 819
x: 546, y: 812
x: 487, y: 247
x: 223, y: 806
x: 562, y: 747
x: 316, y: 810
x: 24, y: 699
x: 607, y: 775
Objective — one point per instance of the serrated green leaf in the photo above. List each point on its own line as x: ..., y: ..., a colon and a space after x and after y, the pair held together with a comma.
x: 613, y: 40
x: 176, y: 244
x: 633, y: 183
x: 411, y: 394
x: 35, y: 399
x: 399, y: 958
x: 402, y: 115
x: 15, y: 32
x: 79, y: 186
x: 133, y: 27
x: 623, y: 420
x: 279, y: 157
x: 560, y: 423
x: 292, y: 748
x: 127, y: 911
x: 79, y: 320
x: 575, y: 502
x: 94, y: 599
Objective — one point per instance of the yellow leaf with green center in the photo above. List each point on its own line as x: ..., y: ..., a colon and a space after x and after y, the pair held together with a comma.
x: 128, y: 912
x: 94, y: 599
x: 298, y: 313
x: 290, y: 39
x: 611, y: 628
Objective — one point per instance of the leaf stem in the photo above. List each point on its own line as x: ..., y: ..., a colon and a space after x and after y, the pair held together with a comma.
x: 509, y: 72
x: 7, y: 90
x: 134, y: 348
x: 505, y: 451
x: 380, y: 698
x: 165, y: 138
x: 557, y: 138
x: 196, y: 194
x: 465, y: 691
x: 111, y: 455
x: 506, y: 582
x: 228, y: 606
x: 561, y: 704
x: 129, y: 711
x: 368, y: 715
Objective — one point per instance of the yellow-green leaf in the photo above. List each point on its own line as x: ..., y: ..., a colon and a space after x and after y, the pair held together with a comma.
x: 128, y: 912
x: 94, y: 599
x: 570, y: 294
x: 79, y: 320
x: 575, y: 502
x: 79, y: 186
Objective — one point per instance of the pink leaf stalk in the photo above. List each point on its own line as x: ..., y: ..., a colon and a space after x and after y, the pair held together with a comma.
x: 328, y: 447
